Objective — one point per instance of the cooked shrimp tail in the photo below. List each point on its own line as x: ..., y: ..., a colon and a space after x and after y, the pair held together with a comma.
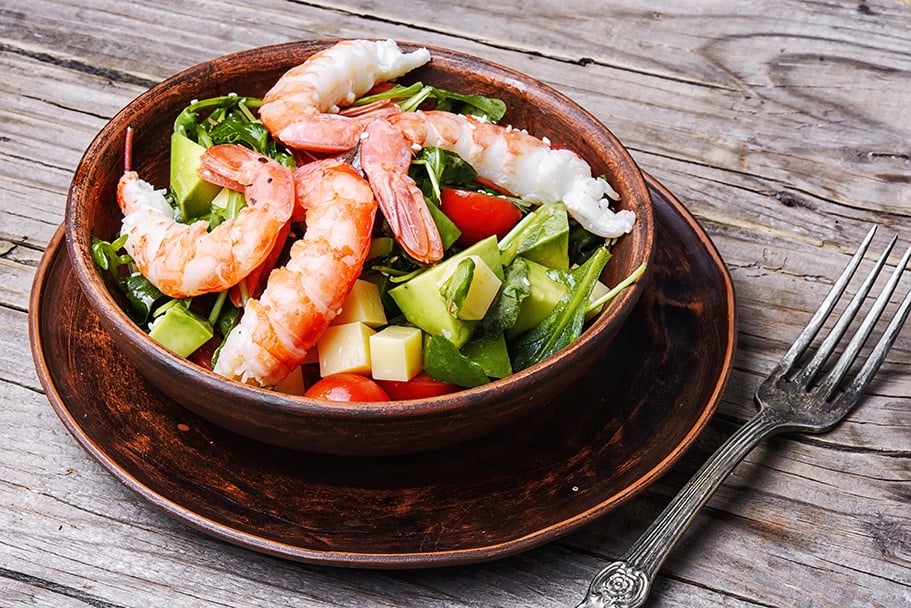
x: 302, y: 108
x: 385, y: 158
x: 523, y: 165
x: 185, y: 260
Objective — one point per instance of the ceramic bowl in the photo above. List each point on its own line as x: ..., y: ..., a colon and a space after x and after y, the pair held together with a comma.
x: 394, y: 427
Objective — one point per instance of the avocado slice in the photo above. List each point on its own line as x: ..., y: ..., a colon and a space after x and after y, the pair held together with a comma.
x: 545, y: 291
x: 180, y: 330
x: 420, y: 300
x: 193, y: 193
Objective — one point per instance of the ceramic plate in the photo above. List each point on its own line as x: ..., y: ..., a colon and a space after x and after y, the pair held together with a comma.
x: 608, y: 437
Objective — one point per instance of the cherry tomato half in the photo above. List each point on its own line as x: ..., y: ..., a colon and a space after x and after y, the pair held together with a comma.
x: 478, y: 215
x: 202, y: 356
x: 419, y: 387
x: 347, y: 387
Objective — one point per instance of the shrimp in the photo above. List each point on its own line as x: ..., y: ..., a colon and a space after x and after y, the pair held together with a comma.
x: 301, y: 109
x: 385, y: 158
x: 521, y: 164
x: 301, y: 298
x: 185, y: 260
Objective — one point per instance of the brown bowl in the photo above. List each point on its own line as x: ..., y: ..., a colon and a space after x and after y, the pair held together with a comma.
x: 332, y: 427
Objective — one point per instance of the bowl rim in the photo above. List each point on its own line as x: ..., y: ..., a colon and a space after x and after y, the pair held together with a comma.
x: 429, y: 407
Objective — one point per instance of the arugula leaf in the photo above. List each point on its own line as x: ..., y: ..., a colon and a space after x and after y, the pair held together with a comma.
x: 489, y: 107
x: 440, y: 168
x: 443, y: 361
x: 106, y: 256
x: 411, y: 97
x: 229, y: 119
x: 564, y: 323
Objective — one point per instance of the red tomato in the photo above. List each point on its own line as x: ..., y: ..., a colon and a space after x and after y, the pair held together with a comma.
x: 202, y: 356
x: 347, y: 387
x: 478, y: 215
x: 419, y: 387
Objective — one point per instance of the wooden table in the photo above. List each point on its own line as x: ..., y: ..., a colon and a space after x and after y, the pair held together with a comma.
x: 785, y: 129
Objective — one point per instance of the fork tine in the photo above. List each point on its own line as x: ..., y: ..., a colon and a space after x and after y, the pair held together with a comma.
x: 870, y: 367
x: 820, y: 316
x: 854, y: 346
x: 844, y: 321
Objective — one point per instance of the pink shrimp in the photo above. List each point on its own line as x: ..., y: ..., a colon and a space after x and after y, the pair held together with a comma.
x: 301, y: 109
x: 521, y: 164
x: 301, y: 298
x: 185, y: 260
x: 385, y: 158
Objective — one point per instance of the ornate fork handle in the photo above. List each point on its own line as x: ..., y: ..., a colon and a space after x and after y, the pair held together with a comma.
x: 625, y: 583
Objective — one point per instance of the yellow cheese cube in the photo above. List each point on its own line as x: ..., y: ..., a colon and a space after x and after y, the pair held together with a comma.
x: 345, y: 349
x: 293, y: 384
x: 363, y: 304
x: 396, y: 353
x: 598, y: 290
x: 483, y: 289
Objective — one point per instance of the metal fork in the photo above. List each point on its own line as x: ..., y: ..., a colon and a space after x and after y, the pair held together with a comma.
x: 792, y: 398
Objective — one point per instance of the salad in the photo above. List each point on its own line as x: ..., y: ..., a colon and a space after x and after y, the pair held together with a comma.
x: 517, y: 282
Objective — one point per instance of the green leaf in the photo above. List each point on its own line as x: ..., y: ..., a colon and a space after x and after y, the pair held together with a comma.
x: 443, y: 361
x: 542, y: 235
x: 491, y: 108
x: 435, y: 168
x: 455, y: 288
x: 565, y: 322
x: 142, y: 296
x: 411, y: 97
x: 506, y: 306
x: 229, y: 119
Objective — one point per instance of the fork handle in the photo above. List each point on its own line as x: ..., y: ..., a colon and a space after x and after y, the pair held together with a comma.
x: 626, y: 582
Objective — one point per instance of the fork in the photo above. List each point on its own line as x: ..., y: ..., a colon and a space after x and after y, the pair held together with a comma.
x: 793, y: 398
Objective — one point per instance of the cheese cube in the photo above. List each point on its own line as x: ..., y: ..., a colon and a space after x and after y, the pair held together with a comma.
x: 598, y: 290
x: 293, y: 384
x: 484, y: 287
x: 363, y: 304
x: 345, y: 348
x: 396, y: 353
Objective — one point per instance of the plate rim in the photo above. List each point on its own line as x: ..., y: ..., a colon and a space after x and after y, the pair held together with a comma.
x: 413, y: 559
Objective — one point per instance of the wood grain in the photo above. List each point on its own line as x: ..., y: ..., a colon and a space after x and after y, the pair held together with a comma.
x: 782, y: 126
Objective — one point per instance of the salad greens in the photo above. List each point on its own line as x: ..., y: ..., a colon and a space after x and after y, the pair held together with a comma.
x: 545, y: 237
x: 411, y: 98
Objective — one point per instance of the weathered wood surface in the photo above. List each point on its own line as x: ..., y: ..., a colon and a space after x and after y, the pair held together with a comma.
x: 784, y: 127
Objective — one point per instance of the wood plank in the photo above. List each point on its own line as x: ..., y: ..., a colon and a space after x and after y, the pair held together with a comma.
x: 786, y: 136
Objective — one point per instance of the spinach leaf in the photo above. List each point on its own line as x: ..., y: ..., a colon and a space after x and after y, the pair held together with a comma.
x: 506, y: 306
x: 142, y: 296
x: 564, y: 323
x: 542, y: 236
x: 443, y: 361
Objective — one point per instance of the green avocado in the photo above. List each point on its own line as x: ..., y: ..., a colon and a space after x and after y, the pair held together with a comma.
x: 545, y: 292
x: 180, y: 330
x: 193, y: 193
x: 420, y: 300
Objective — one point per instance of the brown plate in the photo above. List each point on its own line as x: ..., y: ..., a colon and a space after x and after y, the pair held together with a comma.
x: 611, y: 435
